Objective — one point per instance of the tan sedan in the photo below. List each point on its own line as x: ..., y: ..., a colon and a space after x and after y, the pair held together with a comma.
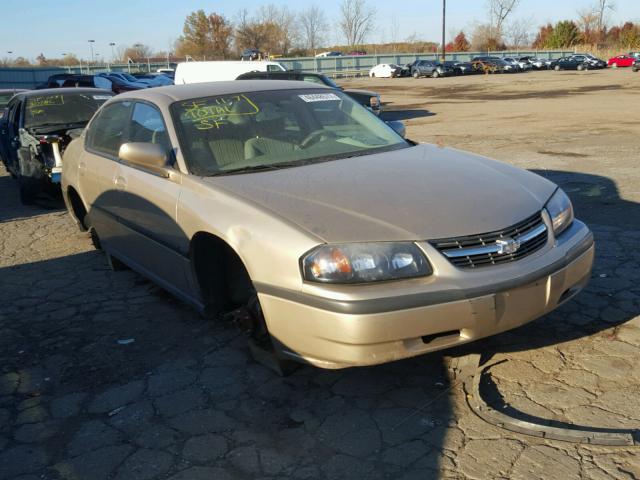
x: 344, y: 243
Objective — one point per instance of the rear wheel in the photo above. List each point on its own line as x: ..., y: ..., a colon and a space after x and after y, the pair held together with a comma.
x: 614, y: 65
x: 415, y: 74
x: 373, y: 75
x: 435, y: 74
x: 557, y: 68
x: 580, y: 68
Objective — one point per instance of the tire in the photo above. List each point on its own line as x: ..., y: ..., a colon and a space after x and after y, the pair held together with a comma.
x: 579, y: 68
x: 557, y: 68
x: 614, y: 65
x: 435, y: 74
x: 415, y: 74
x: 373, y: 75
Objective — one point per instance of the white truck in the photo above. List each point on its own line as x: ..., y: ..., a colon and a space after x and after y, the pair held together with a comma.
x: 216, y: 71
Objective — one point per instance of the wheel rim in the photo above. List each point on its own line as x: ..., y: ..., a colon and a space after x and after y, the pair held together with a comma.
x: 615, y: 65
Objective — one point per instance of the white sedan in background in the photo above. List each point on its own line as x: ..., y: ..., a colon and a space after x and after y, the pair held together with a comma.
x: 385, y: 70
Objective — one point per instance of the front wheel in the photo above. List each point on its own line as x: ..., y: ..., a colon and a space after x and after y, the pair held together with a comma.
x: 373, y: 75
x: 416, y: 74
x: 614, y: 65
x: 580, y: 68
x: 557, y: 68
x: 435, y: 74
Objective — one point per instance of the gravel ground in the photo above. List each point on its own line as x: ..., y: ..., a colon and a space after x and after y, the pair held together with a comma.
x: 105, y: 376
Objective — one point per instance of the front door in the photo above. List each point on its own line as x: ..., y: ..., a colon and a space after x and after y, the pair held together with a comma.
x: 146, y: 209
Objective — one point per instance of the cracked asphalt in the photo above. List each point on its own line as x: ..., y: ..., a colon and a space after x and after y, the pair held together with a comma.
x: 105, y: 376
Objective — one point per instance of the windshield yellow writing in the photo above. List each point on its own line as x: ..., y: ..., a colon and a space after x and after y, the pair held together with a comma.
x: 207, y: 114
x: 36, y: 103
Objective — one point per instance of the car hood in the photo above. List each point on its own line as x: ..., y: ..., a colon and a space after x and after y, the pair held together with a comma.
x: 418, y: 193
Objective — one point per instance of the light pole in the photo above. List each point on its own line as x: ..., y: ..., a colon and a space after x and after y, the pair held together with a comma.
x: 91, y: 42
x: 97, y: 59
x: 64, y: 61
x: 139, y: 46
x: 444, y: 16
x: 113, y: 55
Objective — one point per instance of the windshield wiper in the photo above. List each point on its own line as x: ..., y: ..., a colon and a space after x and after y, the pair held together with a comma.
x: 249, y: 169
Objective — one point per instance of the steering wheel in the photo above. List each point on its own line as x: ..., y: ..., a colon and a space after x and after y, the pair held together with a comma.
x: 315, y: 136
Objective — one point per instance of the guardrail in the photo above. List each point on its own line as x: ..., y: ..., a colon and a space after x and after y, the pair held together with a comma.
x: 355, y: 65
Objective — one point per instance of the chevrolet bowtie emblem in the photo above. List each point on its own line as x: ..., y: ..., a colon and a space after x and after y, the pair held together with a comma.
x: 507, y: 245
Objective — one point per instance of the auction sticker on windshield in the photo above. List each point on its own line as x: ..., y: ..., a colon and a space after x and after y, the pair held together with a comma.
x: 320, y: 97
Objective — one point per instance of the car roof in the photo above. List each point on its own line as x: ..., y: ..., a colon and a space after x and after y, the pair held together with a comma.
x: 13, y: 90
x: 46, y: 91
x: 174, y: 93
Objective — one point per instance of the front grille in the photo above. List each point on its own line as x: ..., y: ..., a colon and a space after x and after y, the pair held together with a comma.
x: 493, y: 248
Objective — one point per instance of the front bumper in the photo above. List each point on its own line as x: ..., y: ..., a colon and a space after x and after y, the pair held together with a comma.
x: 342, y: 332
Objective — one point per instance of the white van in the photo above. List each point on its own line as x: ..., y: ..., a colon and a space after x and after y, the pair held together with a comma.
x: 199, y: 72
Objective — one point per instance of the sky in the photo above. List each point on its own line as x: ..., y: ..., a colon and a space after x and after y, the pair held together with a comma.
x: 53, y: 27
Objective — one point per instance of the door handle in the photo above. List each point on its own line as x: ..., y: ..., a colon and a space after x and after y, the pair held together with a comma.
x: 120, y: 183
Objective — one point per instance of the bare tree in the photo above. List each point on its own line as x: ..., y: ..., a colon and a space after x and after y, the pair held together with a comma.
x: 313, y: 26
x: 519, y: 33
x: 601, y: 8
x: 285, y: 25
x: 356, y: 20
x: 499, y: 11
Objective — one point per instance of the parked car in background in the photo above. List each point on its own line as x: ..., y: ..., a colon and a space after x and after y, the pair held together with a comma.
x: 169, y: 72
x: 459, y: 68
x: 536, y: 63
x: 570, y: 63
x: 621, y: 61
x: 38, y: 127
x: 636, y: 65
x: 635, y: 54
x: 128, y: 78
x: 486, y: 65
x: 342, y: 243
x: 55, y: 81
x: 7, y: 94
x: 385, y: 70
x: 154, y: 79
x: 329, y: 54
x: 589, y: 60
x: 357, y: 53
x: 370, y: 100
x: 222, y: 70
x: 511, y: 65
x: 120, y: 85
x: 252, y: 54
x: 430, y: 68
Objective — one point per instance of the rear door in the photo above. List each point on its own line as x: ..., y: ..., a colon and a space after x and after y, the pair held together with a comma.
x: 98, y: 165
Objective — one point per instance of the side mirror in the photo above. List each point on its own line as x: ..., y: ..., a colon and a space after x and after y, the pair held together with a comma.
x: 398, y: 127
x: 148, y: 156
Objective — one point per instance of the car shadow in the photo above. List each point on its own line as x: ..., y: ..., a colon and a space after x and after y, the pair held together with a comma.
x: 12, y: 208
x: 88, y: 330
x: 603, y: 305
x: 392, y: 115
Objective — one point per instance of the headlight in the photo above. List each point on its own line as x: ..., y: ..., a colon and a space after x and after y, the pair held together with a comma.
x: 364, y: 262
x: 560, y: 210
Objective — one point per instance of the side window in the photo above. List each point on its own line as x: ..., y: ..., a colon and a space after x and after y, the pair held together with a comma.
x: 273, y: 68
x: 107, y: 131
x: 147, y: 126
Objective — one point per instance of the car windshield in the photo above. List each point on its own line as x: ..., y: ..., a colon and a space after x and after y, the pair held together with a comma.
x: 62, y: 108
x: 276, y: 129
